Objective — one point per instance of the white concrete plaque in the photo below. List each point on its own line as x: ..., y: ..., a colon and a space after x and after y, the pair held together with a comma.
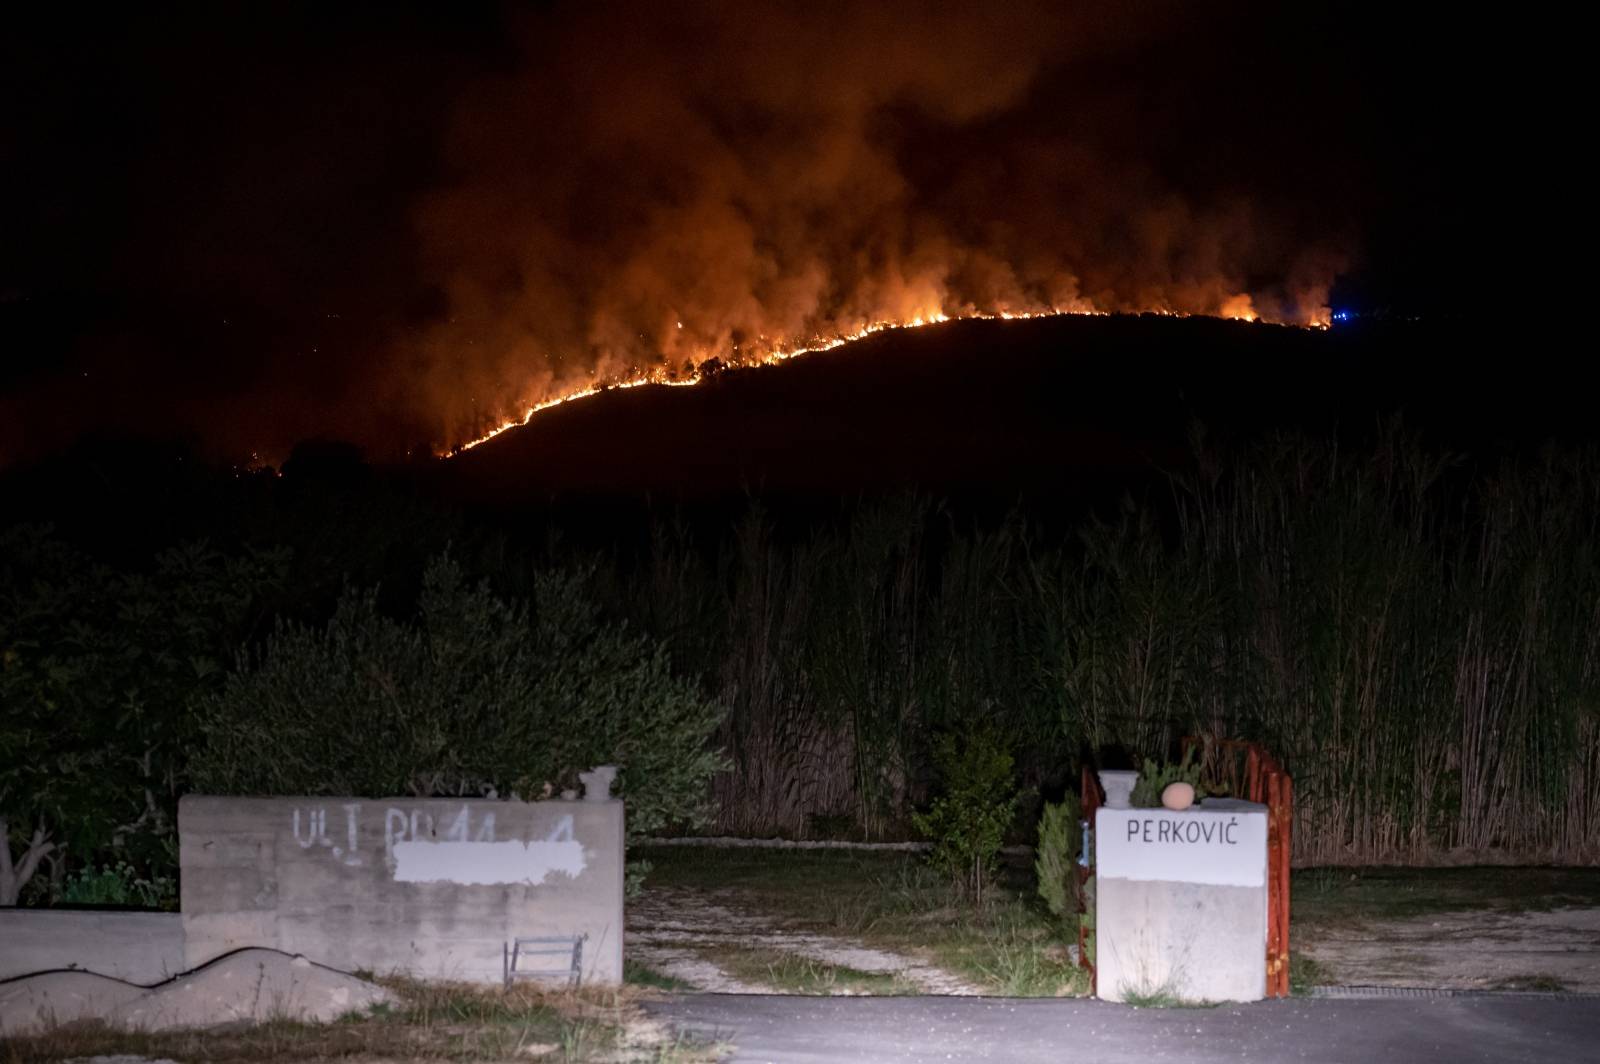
x: 1220, y: 842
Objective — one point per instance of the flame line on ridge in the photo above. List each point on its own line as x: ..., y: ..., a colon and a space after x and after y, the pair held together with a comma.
x: 774, y: 357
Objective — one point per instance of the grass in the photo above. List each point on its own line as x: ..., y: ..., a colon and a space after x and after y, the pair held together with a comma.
x: 1166, y: 993
x: 642, y: 975
x: 891, y: 901
x: 794, y: 973
x: 1344, y: 896
x: 432, y: 1022
x: 1546, y: 984
x: 1012, y: 951
x: 1305, y: 972
x: 1161, y: 998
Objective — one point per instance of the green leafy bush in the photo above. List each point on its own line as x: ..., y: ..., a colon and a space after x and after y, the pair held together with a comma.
x: 474, y: 696
x: 120, y: 884
x: 967, y: 823
x: 1087, y: 920
x: 1157, y: 778
x: 1055, y: 862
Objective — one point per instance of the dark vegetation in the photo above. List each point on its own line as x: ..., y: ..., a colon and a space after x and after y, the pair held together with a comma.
x: 1408, y: 615
x: 477, y: 696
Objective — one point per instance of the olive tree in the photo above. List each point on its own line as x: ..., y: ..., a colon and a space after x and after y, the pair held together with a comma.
x: 474, y: 695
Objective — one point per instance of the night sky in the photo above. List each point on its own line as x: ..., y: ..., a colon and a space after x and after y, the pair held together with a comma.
x: 249, y: 226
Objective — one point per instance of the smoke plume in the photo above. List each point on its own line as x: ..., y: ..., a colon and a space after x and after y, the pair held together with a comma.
x: 262, y: 223
x: 650, y: 186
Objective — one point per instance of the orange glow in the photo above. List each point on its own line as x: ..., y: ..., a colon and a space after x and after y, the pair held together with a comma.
x: 1239, y: 307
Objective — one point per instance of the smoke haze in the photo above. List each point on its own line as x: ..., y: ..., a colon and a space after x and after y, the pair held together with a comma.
x: 402, y: 228
x: 662, y: 185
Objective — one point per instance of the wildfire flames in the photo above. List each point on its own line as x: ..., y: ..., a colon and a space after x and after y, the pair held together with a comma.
x: 639, y: 195
x: 1239, y: 308
x: 417, y: 246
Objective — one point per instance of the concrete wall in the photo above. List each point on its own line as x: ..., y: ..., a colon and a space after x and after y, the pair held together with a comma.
x: 1181, y: 902
x: 142, y: 948
x: 432, y: 887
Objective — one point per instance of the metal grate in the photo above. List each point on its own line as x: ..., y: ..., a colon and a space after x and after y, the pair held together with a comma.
x: 1358, y: 992
x: 557, y: 958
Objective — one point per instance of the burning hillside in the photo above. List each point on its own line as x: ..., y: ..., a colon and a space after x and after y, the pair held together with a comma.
x: 412, y: 232
x: 1239, y: 310
x: 1046, y: 407
x: 641, y: 195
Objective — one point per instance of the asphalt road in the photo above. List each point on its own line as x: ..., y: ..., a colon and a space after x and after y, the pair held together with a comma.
x: 803, y: 1030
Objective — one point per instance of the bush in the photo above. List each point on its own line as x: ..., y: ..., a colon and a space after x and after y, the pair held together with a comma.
x: 120, y: 885
x: 98, y: 672
x: 1056, y: 859
x: 1157, y: 778
x: 475, y: 696
x: 968, y: 822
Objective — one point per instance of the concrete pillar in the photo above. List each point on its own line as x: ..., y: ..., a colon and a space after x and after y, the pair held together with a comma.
x: 1182, y: 902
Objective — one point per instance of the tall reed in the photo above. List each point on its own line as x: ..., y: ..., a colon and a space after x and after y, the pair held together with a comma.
x: 1415, y: 634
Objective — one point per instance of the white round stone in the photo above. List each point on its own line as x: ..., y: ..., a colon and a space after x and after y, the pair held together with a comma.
x: 1177, y: 796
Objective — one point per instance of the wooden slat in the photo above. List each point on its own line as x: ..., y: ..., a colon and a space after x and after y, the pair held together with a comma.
x: 1284, y: 814
x: 1272, y: 887
x: 1277, y: 788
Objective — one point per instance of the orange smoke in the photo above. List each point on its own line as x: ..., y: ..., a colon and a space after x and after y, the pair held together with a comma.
x: 650, y: 188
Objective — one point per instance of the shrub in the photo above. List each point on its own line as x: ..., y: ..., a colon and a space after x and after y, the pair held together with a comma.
x: 120, y: 885
x: 968, y: 821
x: 1056, y: 859
x: 475, y: 696
x: 1157, y: 778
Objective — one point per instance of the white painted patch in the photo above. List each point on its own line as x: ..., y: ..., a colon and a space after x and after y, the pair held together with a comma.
x: 485, y: 863
x: 1222, y: 846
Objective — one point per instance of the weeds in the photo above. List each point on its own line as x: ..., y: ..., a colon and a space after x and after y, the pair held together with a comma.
x: 795, y: 973
x: 1024, y: 961
x: 1305, y: 973
x: 434, y: 1021
x: 637, y: 974
x: 1542, y: 984
x: 1162, y: 998
x: 1335, y: 896
x: 120, y: 885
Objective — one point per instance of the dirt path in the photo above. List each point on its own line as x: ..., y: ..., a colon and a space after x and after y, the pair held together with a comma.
x: 1556, y: 950
x: 679, y: 932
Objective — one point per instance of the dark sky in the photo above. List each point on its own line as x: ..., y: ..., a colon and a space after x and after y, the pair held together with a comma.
x: 252, y: 224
